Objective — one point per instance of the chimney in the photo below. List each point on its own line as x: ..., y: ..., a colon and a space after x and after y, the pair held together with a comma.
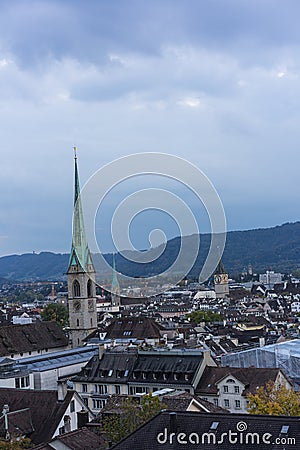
x: 82, y: 418
x: 62, y: 390
x: 101, y: 351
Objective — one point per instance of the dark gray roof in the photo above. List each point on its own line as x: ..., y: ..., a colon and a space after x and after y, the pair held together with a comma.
x: 131, y: 328
x: 41, y: 409
x: 82, y: 439
x: 36, y: 336
x: 164, y: 365
x: 139, y: 367
x: 165, y: 423
x: 112, y: 367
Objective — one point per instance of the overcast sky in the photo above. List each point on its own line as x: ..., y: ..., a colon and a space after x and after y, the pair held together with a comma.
x: 215, y: 81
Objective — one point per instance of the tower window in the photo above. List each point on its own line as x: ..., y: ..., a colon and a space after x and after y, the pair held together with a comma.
x: 76, y: 289
x: 91, y: 321
x: 78, y: 322
x: 89, y: 289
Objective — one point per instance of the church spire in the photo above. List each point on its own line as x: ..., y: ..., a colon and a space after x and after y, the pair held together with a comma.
x: 80, y: 254
x: 115, y: 287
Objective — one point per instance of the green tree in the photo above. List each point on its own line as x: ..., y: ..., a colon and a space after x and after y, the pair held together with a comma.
x: 130, y: 416
x: 56, y: 312
x: 204, y: 316
x: 274, y: 400
x: 15, y: 444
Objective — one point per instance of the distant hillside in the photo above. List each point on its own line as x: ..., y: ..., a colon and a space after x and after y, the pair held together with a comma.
x: 275, y: 248
x: 34, y: 266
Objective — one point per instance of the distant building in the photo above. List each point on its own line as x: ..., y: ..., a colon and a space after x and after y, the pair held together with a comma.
x: 270, y: 278
x: 221, y: 281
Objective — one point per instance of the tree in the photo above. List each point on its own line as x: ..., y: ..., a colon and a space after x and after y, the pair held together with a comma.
x: 56, y: 312
x: 130, y: 416
x: 274, y: 400
x: 204, y: 316
x: 15, y: 444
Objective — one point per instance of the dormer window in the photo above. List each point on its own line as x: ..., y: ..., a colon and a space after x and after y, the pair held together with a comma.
x: 164, y: 376
x: 144, y: 375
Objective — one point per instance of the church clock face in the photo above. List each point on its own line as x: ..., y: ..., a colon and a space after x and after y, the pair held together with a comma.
x: 77, y: 305
x: 218, y: 279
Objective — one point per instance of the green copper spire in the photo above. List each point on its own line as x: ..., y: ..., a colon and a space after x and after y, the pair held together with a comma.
x: 80, y: 252
x: 115, y: 288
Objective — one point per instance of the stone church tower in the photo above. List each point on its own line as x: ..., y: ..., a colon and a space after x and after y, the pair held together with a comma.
x: 81, y: 277
x: 221, y: 281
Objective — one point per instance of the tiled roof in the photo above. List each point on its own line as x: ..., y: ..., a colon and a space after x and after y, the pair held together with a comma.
x: 133, y: 327
x: 41, y: 407
x: 251, y: 377
x: 82, y: 439
x: 36, y: 336
x: 214, y: 430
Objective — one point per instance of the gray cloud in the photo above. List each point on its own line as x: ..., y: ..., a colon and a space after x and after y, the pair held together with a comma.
x: 214, y: 82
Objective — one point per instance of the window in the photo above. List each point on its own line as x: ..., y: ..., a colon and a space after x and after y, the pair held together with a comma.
x: 76, y: 289
x: 72, y: 406
x: 61, y: 430
x: 214, y: 425
x: 98, y: 403
x: 118, y: 389
x: 77, y: 322
x: 22, y: 382
x: 216, y: 402
x: 144, y: 375
x: 100, y: 389
x: 85, y: 401
x: 237, y: 389
x: 226, y: 403
x: 84, y: 387
x: 237, y: 403
x: 225, y: 389
x: 91, y: 321
x: 89, y: 289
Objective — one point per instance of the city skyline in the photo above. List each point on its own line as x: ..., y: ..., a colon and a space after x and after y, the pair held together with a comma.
x: 212, y: 83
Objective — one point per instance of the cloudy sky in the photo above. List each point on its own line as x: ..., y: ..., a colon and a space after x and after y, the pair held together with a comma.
x: 215, y: 81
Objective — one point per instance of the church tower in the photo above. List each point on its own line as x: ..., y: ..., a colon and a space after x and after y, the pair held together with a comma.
x: 81, y: 277
x: 221, y: 281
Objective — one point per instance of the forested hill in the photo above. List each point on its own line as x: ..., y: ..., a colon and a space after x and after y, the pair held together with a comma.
x: 276, y: 248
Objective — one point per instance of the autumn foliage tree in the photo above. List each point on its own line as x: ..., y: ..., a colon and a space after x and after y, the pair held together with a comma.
x: 274, y: 400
